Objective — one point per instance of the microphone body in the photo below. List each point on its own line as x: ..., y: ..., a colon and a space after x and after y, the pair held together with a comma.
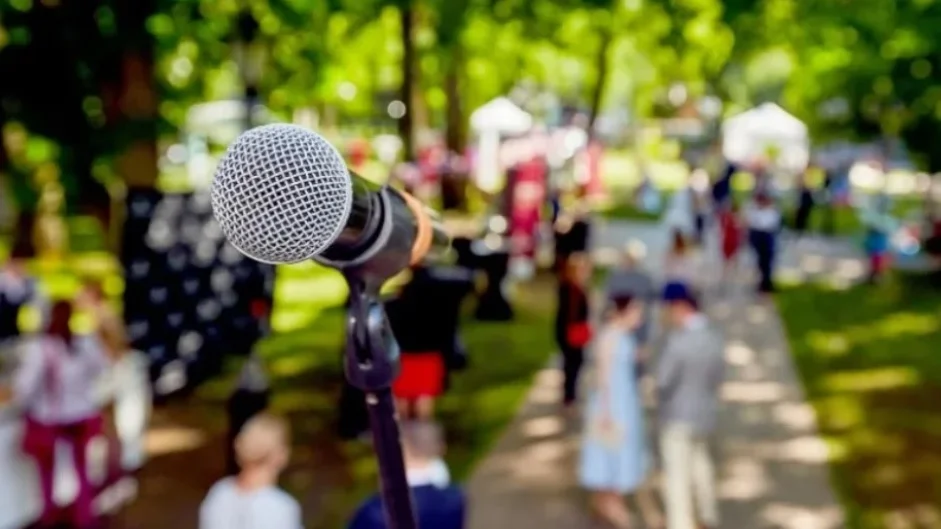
x: 282, y: 194
x: 386, y: 231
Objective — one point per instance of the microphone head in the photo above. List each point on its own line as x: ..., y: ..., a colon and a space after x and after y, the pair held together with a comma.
x: 281, y: 194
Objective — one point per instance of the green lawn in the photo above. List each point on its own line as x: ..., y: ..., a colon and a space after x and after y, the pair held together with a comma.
x: 869, y: 359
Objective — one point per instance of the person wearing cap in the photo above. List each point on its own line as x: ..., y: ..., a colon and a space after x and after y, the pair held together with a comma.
x: 688, y: 374
x: 252, y: 500
x: 437, y: 503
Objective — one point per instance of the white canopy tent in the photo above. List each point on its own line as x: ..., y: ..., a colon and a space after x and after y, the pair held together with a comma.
x: 748, y: 137
x: 497, y: 118
x: 503, y: 116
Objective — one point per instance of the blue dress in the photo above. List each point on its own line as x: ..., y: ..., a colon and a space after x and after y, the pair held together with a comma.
x: 616, y: 460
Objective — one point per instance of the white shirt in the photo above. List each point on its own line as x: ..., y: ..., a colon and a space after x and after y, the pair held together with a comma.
x: 684, y: 269
x: 436, y: 473
x: 58, y: 386
x: 763, y: 219
x: 228, y: 507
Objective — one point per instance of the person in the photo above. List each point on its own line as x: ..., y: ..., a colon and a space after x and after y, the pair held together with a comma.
x: 425, y: 318
x: 680, y: 212
x: 722, y: 188
x: 55, y: 385
x: 572, y: 329
x: 572, y: 235
x: 730, y: 227
x: 250, y: 397
x: 681, y: 265
x: 111, y: 329
x: 632, y: 280
x: 646, y: 194
x: 438, y: 504
x: 252, y: 499
x: 764, y: 224
x: 17, y: 289
x: 688, y: 374
x: 805, y: 206
x: 878, y: 224
x: 614, y: 459
x: 700, y: 201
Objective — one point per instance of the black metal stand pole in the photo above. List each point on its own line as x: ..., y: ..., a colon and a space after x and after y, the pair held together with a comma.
x: 372, y: 363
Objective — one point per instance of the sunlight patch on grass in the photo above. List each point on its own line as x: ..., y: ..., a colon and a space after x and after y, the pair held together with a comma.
x: 908, y: 323
x: 318, y: 288
x: 831, y: 344
x: 841, y: 412
x: 871, y: 379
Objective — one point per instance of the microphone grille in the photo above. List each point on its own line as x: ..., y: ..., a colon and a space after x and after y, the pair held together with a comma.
x: 281, y: 194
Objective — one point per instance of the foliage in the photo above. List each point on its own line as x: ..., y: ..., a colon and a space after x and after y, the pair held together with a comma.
x: 851, y: 70
x: 867, y: 360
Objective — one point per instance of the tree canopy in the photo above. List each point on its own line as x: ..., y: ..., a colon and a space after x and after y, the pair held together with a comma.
x: 87, y: 82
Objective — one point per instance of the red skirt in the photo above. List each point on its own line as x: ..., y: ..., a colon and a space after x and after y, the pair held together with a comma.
x: 421, y: 375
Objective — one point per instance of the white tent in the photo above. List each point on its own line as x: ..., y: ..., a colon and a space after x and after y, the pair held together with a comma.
x: 497, y: 118
x: 503, y: 116
x: 748, y: 137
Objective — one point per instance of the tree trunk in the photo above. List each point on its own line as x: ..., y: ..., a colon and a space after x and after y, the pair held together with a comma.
x: 455, y: 130
x: 454, y: 184
x: 136, y: 95
x: 407, y: 94
x: 602, y: 66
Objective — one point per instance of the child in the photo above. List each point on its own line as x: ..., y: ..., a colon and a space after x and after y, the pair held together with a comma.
x: 731, y: 231
x: 437, y: 503
x: 252, y: 500
x: 879, y: 224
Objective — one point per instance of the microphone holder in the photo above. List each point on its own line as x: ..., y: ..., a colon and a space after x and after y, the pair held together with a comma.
x: 371, y: 362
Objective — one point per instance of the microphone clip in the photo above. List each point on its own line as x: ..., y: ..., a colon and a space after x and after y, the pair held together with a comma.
x: 371, y: 358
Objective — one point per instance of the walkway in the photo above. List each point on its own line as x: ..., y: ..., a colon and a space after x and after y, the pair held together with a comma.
x: 772, y: 465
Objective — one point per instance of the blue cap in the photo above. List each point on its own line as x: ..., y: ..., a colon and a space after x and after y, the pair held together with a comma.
x: 673, y: 292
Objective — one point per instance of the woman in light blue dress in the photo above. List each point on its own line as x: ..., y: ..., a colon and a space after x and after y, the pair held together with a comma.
x: 614, y: 456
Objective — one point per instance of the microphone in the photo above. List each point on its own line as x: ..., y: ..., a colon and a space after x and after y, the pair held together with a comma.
x: 282, y: 194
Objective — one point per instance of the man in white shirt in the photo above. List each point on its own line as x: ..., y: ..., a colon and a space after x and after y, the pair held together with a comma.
x: 252, y: 500
x: 764, y: 223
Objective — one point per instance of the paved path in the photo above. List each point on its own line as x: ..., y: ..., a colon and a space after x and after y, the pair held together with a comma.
x: 772, y: 469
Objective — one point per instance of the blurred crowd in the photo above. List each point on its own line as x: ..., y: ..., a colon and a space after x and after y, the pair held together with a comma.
x: 648, y: 330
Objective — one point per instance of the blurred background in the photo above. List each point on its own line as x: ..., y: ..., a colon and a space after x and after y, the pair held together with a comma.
x: 114, y: 113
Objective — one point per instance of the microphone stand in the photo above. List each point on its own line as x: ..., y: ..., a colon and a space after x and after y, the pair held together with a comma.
x: 371, y: 361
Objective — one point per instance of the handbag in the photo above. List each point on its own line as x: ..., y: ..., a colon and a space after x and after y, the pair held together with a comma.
x: 577, y: 333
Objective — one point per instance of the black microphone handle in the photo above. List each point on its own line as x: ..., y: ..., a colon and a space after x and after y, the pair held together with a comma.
x: 393, y: 481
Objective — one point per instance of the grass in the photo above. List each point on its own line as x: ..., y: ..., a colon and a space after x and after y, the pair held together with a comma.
x: 868, y: 359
